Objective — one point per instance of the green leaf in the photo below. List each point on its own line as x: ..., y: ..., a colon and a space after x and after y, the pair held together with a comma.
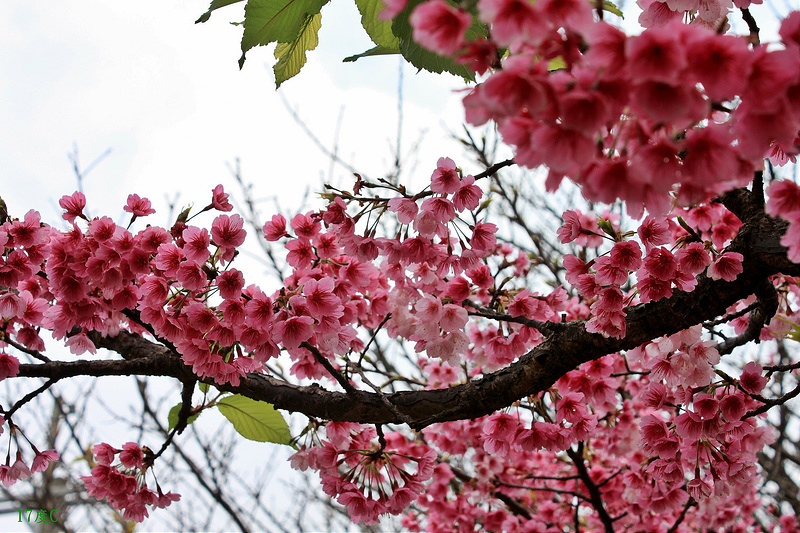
x: 215, y: 4
x: 424, y: 59
x: 380, y: 31
x: 611, y: 7
x: 376, y: 51
x: 275, y: 21
x: 292, y: 56
x: 172, y: 418
x: 203, y: 387
x: 255, y: 420
x: 556, y: 64
x: 183, y: 216
x: 607, y: 227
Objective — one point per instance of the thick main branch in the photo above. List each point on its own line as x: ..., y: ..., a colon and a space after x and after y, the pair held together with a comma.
x: 567, y: 348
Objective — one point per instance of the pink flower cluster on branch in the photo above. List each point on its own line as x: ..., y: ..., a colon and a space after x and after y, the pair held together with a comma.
x: 122, y: 483
x: 679, y: 108
x: 20, y: 469
x: 368, y: 478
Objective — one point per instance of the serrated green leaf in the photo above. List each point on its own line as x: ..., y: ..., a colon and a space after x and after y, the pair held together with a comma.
x: 611, y: 7
x: 379, y: 30
x: 376, y: 51
x: 424, y: 59
x: 215, y: 4
x: 255, y: 420
x: 172, y: 418
x: 275, y: 21
x: 292, y: 56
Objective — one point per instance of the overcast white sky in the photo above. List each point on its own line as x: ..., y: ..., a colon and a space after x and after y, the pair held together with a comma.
x: 167, y: 97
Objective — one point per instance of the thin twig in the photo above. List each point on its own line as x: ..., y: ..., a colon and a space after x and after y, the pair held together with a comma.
x: 21, y: 348
x: 769, y: 403
x: 30, y: 396
x: 691, y: 503
x: 321, y: 359
x: 752, y: 26
x: 595, y: 497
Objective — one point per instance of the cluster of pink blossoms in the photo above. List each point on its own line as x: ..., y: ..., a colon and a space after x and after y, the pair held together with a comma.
x: 708, y: 441
x: 122, y: 484
x: 712, y: 14
x: 627, y: 117
x: 657, y: 271
x: 367, y: 478
x: 688, y: 443
x: 20, y: 470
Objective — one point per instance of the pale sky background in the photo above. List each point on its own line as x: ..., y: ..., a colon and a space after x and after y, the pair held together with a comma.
x: 166, y: 96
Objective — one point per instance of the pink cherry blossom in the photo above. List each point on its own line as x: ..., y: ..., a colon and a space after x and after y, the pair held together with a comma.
x: 276, y: 228
x: 228, y: 231
x: 693, y: 259
x: 196, y: 244
x: 667, y: 122
x: 445, y: 178
x: 721, y: 63
x: 751, y: 379
x: 293, y: 331
x: 230, y: 283
x: 653, y: 233
x: 392, y: 8
x: 320, y: 297
x: 732, y: 407
x: 80, y: 344
x: 406, y: 209
x: 657, y: 54
x: 139, y: 207
x: 483, y: 238
x: 468, y: 195
x: 73, y: 206
x: 727, y: 266
x: 572, y: 228
x: 661, y: 264
x: 513, y: 20
x: 305, y: 225
x: 131, y: 455
x: 219, y: 199
x: 440, y: 27
x: 104, y: 453
x: 9, y: 366
x: 784, y: 199
x: 43, y: 460
x: 627, y: 255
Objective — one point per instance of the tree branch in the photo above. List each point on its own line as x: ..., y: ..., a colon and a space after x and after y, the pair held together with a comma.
x: 567, y: 348
x: 595, y: 498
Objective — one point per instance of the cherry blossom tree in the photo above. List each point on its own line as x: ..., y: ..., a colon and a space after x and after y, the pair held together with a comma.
x: 601, y: 379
